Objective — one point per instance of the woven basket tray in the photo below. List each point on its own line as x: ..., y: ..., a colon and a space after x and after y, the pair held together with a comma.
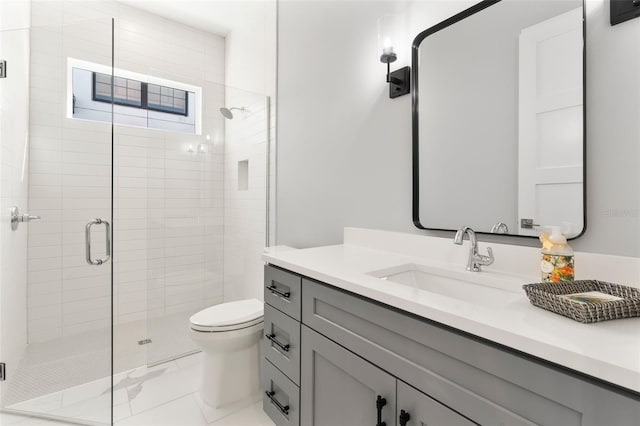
x: 547, y: 296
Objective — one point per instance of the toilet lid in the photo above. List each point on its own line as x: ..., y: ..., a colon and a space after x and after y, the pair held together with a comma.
x: 229, y: 316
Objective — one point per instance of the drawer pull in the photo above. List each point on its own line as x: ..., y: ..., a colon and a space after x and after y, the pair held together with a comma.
x: 274, y: 290
x: 284, y: 409
x: 404, y: 418
x: 380, y: 403
x: 276, y: 342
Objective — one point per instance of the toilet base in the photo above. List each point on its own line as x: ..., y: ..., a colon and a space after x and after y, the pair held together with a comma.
x: 230, y: 366
x: 230, y: 377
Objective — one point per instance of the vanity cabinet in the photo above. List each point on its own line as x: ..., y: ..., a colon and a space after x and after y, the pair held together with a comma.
x: 353, y: 349
x: 340, y: 388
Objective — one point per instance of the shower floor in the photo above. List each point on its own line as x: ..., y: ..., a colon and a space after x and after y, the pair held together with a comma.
x: 165, y: 394
x: 57, y: 365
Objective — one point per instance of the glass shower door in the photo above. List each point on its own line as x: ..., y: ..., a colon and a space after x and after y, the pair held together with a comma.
x: 56, y: 297
x: 210, y: 225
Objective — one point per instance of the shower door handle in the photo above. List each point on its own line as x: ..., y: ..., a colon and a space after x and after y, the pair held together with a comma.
x: 87, y: 238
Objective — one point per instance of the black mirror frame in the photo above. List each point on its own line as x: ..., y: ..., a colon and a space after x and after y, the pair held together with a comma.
x: 415, y: 150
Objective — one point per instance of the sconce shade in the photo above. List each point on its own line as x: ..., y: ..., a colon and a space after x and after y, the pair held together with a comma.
x: 389, y: 40
x: 387, y: 58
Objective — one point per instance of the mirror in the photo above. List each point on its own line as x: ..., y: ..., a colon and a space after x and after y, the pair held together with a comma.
x: 498, y: 119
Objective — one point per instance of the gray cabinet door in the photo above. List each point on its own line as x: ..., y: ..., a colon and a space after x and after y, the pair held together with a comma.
x: 340, y: 388
x: 422, y: 410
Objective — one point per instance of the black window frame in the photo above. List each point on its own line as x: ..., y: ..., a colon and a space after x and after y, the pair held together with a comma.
x: 144, y: 91
x: 161, y: 108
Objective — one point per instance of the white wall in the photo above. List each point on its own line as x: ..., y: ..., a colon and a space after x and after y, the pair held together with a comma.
x: 250, y: 59
x: 14, y: 181
x: 344, y: 147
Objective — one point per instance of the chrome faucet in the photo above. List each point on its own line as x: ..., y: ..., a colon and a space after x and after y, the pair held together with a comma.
x: 475, y: 260
x: 500, y: 228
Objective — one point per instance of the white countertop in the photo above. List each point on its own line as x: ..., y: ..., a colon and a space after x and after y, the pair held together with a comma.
x: 609, y: 350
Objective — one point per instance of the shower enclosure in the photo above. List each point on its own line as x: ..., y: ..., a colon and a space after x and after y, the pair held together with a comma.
x: 128, y: 200
x: 56, y: 205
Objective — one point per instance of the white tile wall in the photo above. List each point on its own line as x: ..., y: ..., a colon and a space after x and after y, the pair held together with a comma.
x: 245, y: 210
x: 169, y: 211
x: 69, y: 185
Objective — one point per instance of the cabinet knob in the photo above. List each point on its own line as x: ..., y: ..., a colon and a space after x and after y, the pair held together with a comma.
x: 380, y: 403
x: 404, y: 416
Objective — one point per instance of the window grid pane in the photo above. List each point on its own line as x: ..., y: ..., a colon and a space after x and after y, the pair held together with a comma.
x: 141, y: 95
x: 167, y: 99
x: 122, y: 93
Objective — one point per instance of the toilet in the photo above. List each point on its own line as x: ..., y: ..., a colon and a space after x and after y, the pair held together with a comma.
x: 229, y: 335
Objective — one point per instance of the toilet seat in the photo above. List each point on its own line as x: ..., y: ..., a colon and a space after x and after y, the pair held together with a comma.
x: 228, y: 316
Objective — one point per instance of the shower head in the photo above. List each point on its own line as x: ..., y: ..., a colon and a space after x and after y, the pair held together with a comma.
x: 227, y: 111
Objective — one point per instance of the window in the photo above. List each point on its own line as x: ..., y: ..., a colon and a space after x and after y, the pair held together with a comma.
x: 166, y: 99
x: 111, y: 95
x: 137, y: 94
x: 125, y: 91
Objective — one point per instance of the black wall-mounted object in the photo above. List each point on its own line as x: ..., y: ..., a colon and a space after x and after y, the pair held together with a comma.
x: 623, y: 10
x: 415, y: 56
x: 400, y: 82
x: 400, y: 79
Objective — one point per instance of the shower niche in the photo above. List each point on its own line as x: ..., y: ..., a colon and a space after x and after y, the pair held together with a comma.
x: 243, y: 175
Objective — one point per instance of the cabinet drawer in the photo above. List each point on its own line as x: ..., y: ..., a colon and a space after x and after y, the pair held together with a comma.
x: 282, y: 290
x: 281, y: 344
x: 280, y: 396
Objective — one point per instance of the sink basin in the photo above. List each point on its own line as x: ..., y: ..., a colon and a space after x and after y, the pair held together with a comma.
x: 485, y: 288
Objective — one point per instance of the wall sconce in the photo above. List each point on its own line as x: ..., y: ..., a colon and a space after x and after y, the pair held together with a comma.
x: 389, y: 36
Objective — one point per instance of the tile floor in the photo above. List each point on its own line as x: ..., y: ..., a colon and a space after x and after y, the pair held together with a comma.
x: 163, y: 395
x: 66, y: 362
